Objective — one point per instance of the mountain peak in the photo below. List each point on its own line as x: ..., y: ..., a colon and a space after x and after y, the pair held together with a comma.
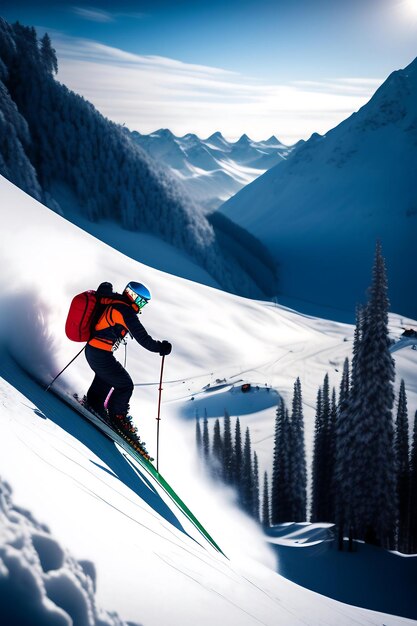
x: 272, y: 141
x: 244, y: 140
x: 164, y: 132
x: 216, y: 135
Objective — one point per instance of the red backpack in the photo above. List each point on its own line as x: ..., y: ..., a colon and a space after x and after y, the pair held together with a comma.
x: 81, y: 315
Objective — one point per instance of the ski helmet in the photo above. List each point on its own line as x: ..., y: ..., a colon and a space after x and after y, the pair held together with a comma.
x: 137, y: 293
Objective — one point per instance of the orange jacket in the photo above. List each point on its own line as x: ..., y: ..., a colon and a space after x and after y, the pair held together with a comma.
x: 117, y: 319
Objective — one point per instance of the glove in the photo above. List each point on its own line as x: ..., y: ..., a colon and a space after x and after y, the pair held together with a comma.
x: 165, y: 348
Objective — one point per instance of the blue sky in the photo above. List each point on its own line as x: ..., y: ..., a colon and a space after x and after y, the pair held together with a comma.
x: 284, y: 67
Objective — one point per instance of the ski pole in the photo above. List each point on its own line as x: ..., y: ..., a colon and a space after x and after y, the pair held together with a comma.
x: 158, y: 419
x: 63, y: 370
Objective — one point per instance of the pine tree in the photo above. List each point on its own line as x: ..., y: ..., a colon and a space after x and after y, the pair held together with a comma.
x: 298, y: 459
x: 344, y: 479
x: 247, y: 475
x: 48, y: 55
x: 332, y: 459
x: 237, y: 455
x: 366, y: 463
x: 342, y: 409
x: 206, y: 438
x: 324, y: 452
x: 217, y: 449
x: 412, y: 543
x: 255, y: 495
x: 344, y: 388
x: 282, y: 497
x: 403, y: 469
x: 227, y: 450
x: 266, y: 517
x: 198, y: 438
x: 317, y: 472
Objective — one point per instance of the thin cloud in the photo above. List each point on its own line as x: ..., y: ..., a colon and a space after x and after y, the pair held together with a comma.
x: 149, y: 92
x: 88, y: 50
x: 93, y: 15
x: 99, y: 15
x: 134, y: 15
x: 348, y: 86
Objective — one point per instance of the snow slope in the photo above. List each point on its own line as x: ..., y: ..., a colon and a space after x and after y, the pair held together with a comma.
x: 307, y: 556
x: 321, y: 212
x: 213, y: 169
x: 150, y: 566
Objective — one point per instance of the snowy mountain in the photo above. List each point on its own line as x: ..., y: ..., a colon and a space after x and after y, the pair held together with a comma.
x: 320, y: 212
x: 213, y: 169
x: 82, y: 524
x: 56, y: 146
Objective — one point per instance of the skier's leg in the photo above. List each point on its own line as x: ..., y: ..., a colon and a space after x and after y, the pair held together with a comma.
x: 100, y: 387
x: 123, y: 389
x: 97, y: 393
x: 109, y: 373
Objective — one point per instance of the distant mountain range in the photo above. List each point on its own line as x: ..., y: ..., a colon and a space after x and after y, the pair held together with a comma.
x: 212, y: 170
x: 320, y: 212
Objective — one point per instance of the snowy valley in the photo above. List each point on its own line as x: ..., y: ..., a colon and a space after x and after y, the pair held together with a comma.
x: 214, y: 169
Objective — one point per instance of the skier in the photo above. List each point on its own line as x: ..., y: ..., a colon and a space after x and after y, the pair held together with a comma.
x: 118, y: 318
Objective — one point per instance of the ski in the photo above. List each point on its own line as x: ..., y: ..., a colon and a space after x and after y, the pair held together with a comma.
x: 105, y: 428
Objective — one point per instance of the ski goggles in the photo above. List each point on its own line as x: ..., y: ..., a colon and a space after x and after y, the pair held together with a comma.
x: 140, y: 301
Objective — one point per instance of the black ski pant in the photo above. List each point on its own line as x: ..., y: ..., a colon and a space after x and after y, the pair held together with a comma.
x: 108, y: 373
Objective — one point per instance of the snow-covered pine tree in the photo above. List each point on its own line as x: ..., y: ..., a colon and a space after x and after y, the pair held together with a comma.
x: 342, y: 408
x: 317, y: 470
x: 332, y: 458
x: 282, y: 483
x: 247, y: 475
x: 403, y: 469
x: 325, y: 452
x: 266, y: 516
x: 369, y: 453
x: 357, y: 339
x: 255, y: 495
x: 14, y: 132
x: 48, y: 55
x: 412, y: 543
x: 298, y: 458
x: 227, y: 450
x: 344, y: 479
x: 237, y: 455
x: 217, y: 449
x: 324, y: 456
x: 198, y: 437
x: 206, y: 438
x: 344, y: 387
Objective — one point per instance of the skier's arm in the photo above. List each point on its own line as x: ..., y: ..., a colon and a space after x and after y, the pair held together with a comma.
x: 139, y: 332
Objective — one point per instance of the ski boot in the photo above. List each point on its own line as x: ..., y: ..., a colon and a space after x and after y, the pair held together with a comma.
x: 98, y: 411
x: 122, y: 423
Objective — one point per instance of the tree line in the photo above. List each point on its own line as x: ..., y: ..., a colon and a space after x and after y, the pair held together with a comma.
x: 364, y: 464
x: 230, y: 458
